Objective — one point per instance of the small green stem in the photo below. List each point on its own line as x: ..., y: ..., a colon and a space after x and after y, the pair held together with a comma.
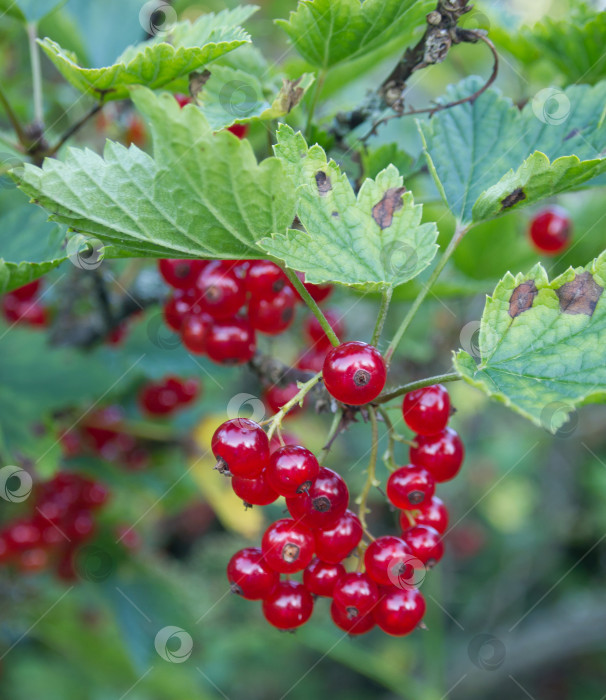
x: 314, y: 101
x: 372, y: 467
x: 32, y: 35
x: 420, y: 384
x: 336, y: 421
x: 12, y: 117
x: 304, y: 389
x: 384, y: 308
x: 314, y: 308
x: 389, y: 457
x: 454, y: 242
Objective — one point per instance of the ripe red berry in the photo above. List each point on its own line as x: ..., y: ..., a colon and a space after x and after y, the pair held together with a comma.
x: 442, y: 454
x: 410, y: 486
x: 264, y: 279
x: 180, y: 305
x: 195, y: 330
x: 320, y: 578
x: 80, y: 526
x: 356, y: 594
x: 324, y: 502
x: 231, y: 342
x: 311, y: 360
x: 249, y: 575
x: 399, y: 611
x: 288, y: 439
x: 315, y: 333
x: 27, y: 291
x: 182, y: 99
x: 426, y: 411
x: 433, y: 514
x: 21, y: 535
x: 239, y: 130
x: 551, y: 230
x: 273, y: 315
x: 425, y: 543
x: 354, y: 373
x: 158, y: 399
x: 287, y: 546
x: 187, y: 389
x: 241, y: 447
x: 93, y: 494
x: 276, y: 396
x: 181, y: 274
x: 222, y: 292
x: 288, y: 606
x: 335, y: 543
x: 388, y: 560
x: 292, y: 469
x: 352, y: 625
x: 318, y: 292
x: 254, y: 492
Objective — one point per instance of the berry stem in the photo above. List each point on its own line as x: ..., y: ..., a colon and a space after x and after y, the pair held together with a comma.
x: 420, y: 384
x: 314, y: 308
x: 32, y: 35
x: 334, y: 426
x: 370, y: 478
x: 13, y: 119
x: 460, y: 231
x: 276, y: 422
x: 389, y: 458
x: 384, y: 308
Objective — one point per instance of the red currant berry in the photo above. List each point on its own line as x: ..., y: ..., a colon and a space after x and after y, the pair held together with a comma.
x: 181, y: 274
x: 388, y: 560
x: 195, y: 330
x: 425, y: 543
x: 182, y: 100
x: 287, y: 546
x: 315, y: 333
x: 179, y: 306
x: 241, y: 447
x: 356, y: 594
x: 274, y: 315
x: 399, y: 611
x: 288, y: 606
x: 135, y: 132
x: 410, y: 486
x: 158, y: 399
x: 291, y: 470
x: 320, y: 578
x: 276, y: 396
x: 287, y: 438
x: 551, y: 230
x: 254, y: 492
x: 352, y: 625
x: 187, y: 390
x: 325, y: 501
x: 354, y: 373
x: 249, y: 575
x: 434, y: 514
x: 222, y: 292
x: 93, y: 494
x: 335, y: 543
x: 81, y: 526
x: 231, y: 342
x: 442, y: 454
x: 130, y: 539
x: 27, y: 291
x: 239, y: 130
x: 311, y: 360
x: 318, y: 292
x: 426, y: 411
x: 264, y: 279
x: 22, y: 535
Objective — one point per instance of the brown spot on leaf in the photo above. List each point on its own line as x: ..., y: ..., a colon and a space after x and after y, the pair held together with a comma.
x: 323, y: 182
x: 290, y: 94
x: 522, y: 298
x: 197, y: 81
x: 383, y: 212
x: 518, y: 195
x: 580, y: 296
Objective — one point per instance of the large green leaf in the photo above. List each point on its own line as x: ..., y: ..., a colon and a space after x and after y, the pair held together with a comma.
x: 327, y: 32
x: 201, y: 195
x: 157, y: 63
x: 371, y: 241
x: 29, y: 10
x: 470, y: 148
x: 541, y: 343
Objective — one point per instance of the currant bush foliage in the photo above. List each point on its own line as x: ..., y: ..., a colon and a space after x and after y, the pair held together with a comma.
x: 372, y: 241
x: 541, y: 345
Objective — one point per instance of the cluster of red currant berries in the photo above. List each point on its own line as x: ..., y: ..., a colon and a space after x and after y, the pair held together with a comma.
x: 551, y: 230
x: 61, y: 520
x: 164, y: 397
x: 22, y: 305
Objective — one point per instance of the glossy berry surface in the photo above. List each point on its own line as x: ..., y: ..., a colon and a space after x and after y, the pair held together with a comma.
x: 320, y: 577
x: 425, y: 543
x: 399, y: 611
x: 434, y: 514
x: 318, y: 292
x: 336, y: 542
x: 264, y: 279
x: 315, y: 333
x: 355, y: 594
x: 442, y: 454
x: 180, y: 305
x: 312, y: 360
x: 387, y: 560
x: 287, y: 546
x: 238, y: 130
x: 352, y: 625
x: 292, y: 469
x: 254, y: 492
x: 249, y: 575
x: 222, y: 292
x: 241, y: 447
x: 288, y: 606
x: 180, y: 274
x: 354, y: 373
x: 231, y: 342
x: 551, y: 230
x: 426, y: 411
x: 410, y: 486
x: 324, y: 502
x: 276, y: 396
x: 273, y: 315
x: 195, y: 330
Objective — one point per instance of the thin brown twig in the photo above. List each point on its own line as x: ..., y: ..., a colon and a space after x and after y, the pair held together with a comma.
x: 74, y: 128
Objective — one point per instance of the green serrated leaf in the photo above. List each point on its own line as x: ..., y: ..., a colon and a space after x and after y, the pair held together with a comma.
x: 157, y: 63
x: 370, y: 242
x: 471, y: 147
x: 328, y: 32
x: 377, y: 159
x: 541, y: 343
x: 201, y: 195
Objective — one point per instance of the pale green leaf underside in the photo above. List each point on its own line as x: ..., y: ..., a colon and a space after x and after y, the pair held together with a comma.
x: 372, y: 241
x: 201, y: 195
x: 327, y: 32
x: 470, y: 148
x: 541, y: 344
x: 157, y: 63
